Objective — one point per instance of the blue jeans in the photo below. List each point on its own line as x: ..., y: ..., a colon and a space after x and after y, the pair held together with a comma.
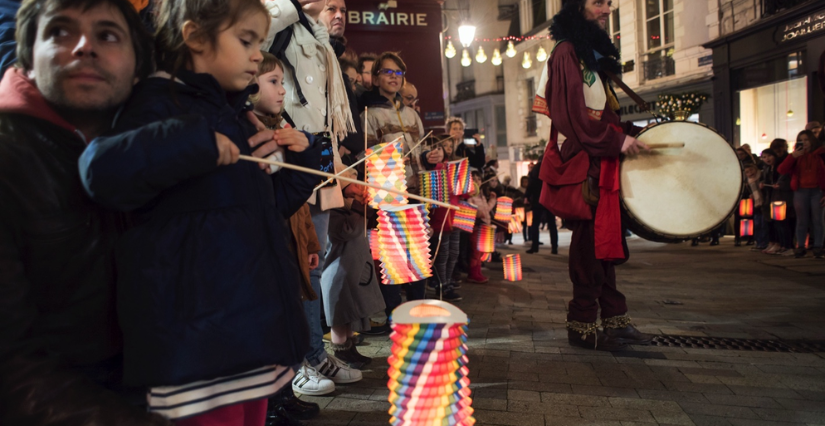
x: 808, y: 215
x: 312, y: 309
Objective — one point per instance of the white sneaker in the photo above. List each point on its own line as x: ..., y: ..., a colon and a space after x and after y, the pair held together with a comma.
x: 309, y: 381
x: 339, y: 372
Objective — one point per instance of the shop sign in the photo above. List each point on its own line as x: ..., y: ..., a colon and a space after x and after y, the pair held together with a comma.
x: 388, y: 15
x: 635, y: 109
x: 810, y: 24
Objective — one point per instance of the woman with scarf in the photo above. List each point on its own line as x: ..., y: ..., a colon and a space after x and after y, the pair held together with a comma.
x: 582, y: 105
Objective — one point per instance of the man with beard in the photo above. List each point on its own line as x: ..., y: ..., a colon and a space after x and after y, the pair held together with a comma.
x: 60, y: 344
x: 582, y: 105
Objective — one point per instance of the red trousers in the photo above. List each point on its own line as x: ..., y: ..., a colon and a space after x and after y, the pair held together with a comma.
x: 251, y: 413
x: 594, y: 280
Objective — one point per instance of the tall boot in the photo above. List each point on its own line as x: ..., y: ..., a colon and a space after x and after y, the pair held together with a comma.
x: 586, y: 335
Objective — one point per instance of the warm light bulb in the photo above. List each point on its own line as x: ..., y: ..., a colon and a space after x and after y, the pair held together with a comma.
x: 526, y: 62
x: 790, y: 113
x: 511, y: 50
x: 496, y: 57
x: 449, y: 51
x: 466, y: 33
x: 738, y: 121
x: 480, y: 56
x: 541, y: 55
x: 465, y: 58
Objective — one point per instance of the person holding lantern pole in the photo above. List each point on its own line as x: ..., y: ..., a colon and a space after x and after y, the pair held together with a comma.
x: 575, y: 94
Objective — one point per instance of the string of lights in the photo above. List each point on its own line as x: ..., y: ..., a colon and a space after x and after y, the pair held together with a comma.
x: 481, y: 56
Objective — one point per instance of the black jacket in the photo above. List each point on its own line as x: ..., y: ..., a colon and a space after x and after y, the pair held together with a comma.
x: 207, y: 286
x: 59, y: 337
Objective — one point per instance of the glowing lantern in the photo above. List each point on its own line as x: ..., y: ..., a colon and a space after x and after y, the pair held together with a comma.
x: 746, y: 227
x: 486, y: 257
x: 403, y: 244
x: 459, y: 172
x: 529, y: 218
x: 778, y: 210
x: 486, y: 238
x: 504, y: 209
x: 519, y: 212
x: 746, y: 207
x: 514, y: 227
x: 386, y: 169
x: 428, y: 374
x: 372, y: 236
x: 435, y: 184
x: 465, y: 217
x: 512, y: 267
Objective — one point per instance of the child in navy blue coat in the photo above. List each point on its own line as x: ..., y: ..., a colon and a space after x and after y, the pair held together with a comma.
x: 208, y: 291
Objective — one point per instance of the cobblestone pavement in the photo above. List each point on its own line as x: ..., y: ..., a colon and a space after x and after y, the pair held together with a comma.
x: 524, y: 373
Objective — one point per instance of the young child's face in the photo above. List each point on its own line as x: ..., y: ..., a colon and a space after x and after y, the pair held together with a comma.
x: 233, y: 59
x: 750, y: 172
x: 272, y: 92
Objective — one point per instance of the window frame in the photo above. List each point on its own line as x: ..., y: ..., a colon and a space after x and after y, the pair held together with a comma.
x: 615, y: 34
x: 662, y: 27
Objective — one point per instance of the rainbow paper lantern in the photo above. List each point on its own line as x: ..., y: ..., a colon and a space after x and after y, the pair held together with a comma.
x: 428, y: 374
x: 465, y: 217
x: 459, y: 173
x: 486, y: 257
x: 746, y: 227
x: 486, y: 238
x: 504, y: 209
x: 778, y: 210
x: 515, y: 225
x: 746, y: 207
x: 386, y: 169
x: 519, y: 212
x: 512, y: 267
x: 403, y: 244
x: 435, y: 184
x: 372, y: 236
x: 529, y: 219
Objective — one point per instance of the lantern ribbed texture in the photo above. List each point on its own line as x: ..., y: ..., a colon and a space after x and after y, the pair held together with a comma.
x: 486, y: 257
x: 386, y: 169
x: 746, y: 207
x: 459, y: 173
x: 428, y: 373
x: 519, y: 212
x: 435, y: 184
x: 746, y: 227
x: 504, y: 209
x: 512, y: 267
x: 403, y: 244
x: 372, y: 236
x: 529, y: 219
x: 465, y: 217
x: 515, y: 225
x: 778, y: 210
x: 486, y: 238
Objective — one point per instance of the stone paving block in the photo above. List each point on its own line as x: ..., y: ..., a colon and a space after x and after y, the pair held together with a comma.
x: 584, y: 400
x: 645, y: 404
x: 752, y: 422
x: 766, y: 392
x: 358, y: 405
x: 672, y: 417
x: 718, y: 410
x: 370, y: 419
x: 522, y: 395
x: 698, y: 387
x: 611, y: 413
x: 605, y: 391
x: 578, y: 421
x: 742, y: 401
x: 703, y: 420
x: 489, y: 417
x: 676, y: 396
x: 562, y: 410
x: 781, y: 415
x: 334, y: 418
x: 490, y: 404
x: 541, y: 387
x: 705, y: 371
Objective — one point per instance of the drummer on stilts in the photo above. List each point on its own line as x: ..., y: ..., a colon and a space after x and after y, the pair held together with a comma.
x: 582, y: 176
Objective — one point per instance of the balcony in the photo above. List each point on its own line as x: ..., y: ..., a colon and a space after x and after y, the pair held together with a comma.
x: 659, y: 67
x: 531, y: 125
x: 465, y: 90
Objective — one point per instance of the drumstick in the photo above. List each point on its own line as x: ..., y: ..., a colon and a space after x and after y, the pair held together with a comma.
x: 344, y: 179
x: 666, y: 145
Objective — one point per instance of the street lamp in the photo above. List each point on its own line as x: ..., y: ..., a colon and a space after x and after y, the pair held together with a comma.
x: 466, y: 34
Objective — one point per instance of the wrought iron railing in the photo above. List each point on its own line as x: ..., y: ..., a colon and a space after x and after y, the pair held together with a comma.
x: 465, y: 90
x: 659, y: 67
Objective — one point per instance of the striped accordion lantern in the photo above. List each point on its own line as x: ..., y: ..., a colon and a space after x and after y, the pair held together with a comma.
x: 486, y: 257
x: 519, y: 212
x: 459, y: 172
x: 746, y: 227
x: 435, y: 184
x: 486, y: 239
x: 386, y: 169
x: 512, y: 267
x: 746, y: 207
x: 778, y: 210
x: 428, y: 371
x: 529, y: 218
x: 403, y: 244
x: 504, y: 209
x: 372, y: 236
x: 515, y: 225
x: 465, y: 217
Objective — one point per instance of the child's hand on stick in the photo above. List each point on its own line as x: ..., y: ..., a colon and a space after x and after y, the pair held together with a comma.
x: 228, y: 152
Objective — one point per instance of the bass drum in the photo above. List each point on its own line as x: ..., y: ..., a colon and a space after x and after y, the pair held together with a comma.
x: 674, y: 194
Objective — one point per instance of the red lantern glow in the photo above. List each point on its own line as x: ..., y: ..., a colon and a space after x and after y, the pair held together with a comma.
x: 746, y: 207
x: 746, y: 227
x: 778, y: 210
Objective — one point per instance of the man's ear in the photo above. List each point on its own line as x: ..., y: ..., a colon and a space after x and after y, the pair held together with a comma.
x: 196, y: 44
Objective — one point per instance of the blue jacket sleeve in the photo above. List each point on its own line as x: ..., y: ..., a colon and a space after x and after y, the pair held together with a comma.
x: 293, y: 188
x: 127, y: 170
x: 8, y: 45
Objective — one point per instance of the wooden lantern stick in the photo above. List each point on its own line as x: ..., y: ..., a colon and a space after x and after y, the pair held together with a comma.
x: 344, y: 179
x: 335, y: 176
x: 419, y: 143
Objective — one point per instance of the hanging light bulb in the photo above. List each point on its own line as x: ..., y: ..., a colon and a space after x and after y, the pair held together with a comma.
x: 496, y: 57
x: 511, y: 50
x: 481, y: 57
x: 790, y: 113
x: 449, y: 51
x: 738, y: 121
x: 465, y: 58
x: 526, y: 62
x: 466, y: 33
x: 541, y: 55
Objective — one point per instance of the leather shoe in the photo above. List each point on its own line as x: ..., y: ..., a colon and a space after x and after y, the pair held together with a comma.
x: 295, y: 407
x: 531, y: 251
x: 554, y: 250
x: 629, y: 335
x: 597, y: 341
x: 277, y: 416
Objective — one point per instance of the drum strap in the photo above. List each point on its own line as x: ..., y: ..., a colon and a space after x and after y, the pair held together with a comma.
x: 636, y: 98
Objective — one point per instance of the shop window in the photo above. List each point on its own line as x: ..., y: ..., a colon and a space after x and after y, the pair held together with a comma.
x: 777, y: 110
x: 539, y: 12
x: 659, y: 36
x: 615, y: 29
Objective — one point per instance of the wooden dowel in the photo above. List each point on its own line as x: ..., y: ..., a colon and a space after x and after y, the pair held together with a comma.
x: 666, y: 145
x: 344, y: 179
x: 356, y: 163
x: 419, y: 143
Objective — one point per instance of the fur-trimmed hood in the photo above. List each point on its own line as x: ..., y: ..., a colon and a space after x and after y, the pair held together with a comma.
x: 588, y: 38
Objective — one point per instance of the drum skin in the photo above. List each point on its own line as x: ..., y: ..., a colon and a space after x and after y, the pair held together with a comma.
x: 675, y: 194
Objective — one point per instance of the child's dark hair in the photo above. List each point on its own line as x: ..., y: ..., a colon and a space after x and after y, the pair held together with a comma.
x: 211, y: 16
